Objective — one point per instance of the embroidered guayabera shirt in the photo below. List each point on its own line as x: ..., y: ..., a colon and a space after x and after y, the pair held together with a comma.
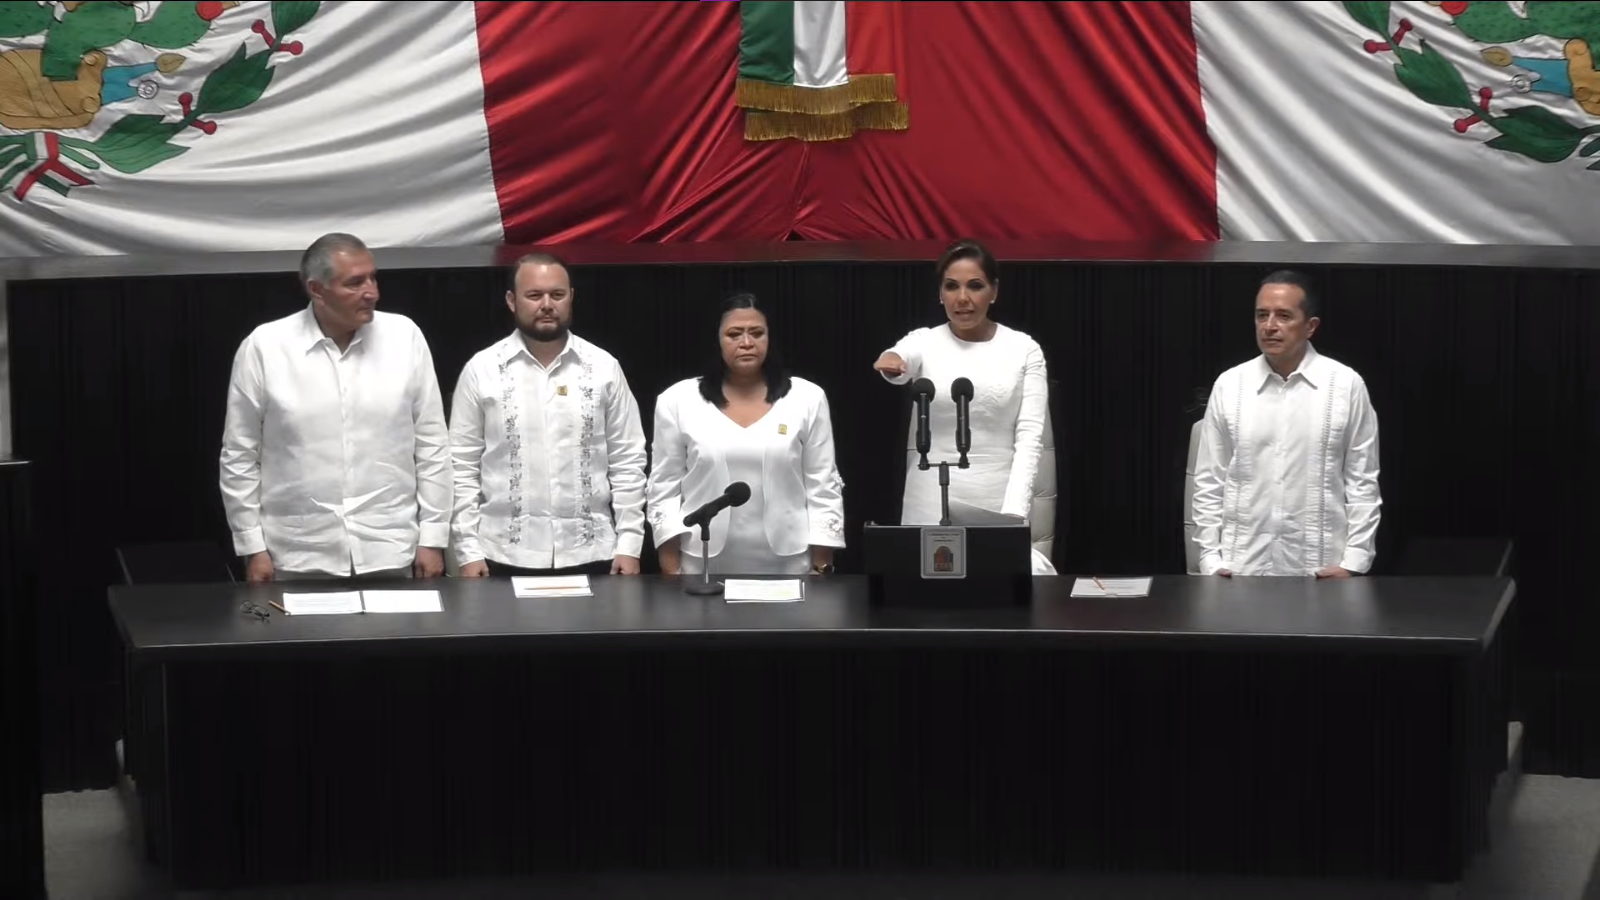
x: 549, y: 462
x: 1286, y: 480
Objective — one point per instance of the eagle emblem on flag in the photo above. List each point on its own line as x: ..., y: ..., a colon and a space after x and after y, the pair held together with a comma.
x: 1533, y: 85
x: 71, y: 75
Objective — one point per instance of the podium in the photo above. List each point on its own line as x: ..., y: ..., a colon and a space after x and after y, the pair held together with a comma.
x: 948, y: 566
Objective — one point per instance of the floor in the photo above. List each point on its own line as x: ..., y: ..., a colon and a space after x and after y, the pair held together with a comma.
x: 1546, y: 847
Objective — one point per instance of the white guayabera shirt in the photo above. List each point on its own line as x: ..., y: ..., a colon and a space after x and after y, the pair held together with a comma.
x: 336, y: 463
x: 549, y: 461
x: 1286, y: 480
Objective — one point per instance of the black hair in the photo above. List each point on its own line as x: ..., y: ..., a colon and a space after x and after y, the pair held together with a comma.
x: 966, y: 248
x: 1311, y: 305
x: 772, y: 370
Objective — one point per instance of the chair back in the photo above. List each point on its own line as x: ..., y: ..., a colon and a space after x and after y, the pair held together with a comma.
x: 1488, y: 557
x: 1191, y: 550
x: 173, y: 562
x: 1044, y: 518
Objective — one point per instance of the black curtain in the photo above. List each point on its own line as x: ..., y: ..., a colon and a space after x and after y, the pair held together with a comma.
x: 21, y: 808
x: 1482, y: 379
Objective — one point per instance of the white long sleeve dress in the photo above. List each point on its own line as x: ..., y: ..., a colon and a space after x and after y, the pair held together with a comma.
x: 1006, y: 416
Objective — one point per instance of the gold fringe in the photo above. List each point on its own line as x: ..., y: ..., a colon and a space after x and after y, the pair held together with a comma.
x: 858, y: 91
x: 774, y: 126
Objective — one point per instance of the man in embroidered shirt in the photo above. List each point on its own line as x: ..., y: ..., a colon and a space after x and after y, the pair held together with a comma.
x: 547, y: 444
x: 1286, y: 480
x: 335, y: 453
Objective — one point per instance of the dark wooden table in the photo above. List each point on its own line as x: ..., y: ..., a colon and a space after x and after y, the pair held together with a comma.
x: 1246, y: 726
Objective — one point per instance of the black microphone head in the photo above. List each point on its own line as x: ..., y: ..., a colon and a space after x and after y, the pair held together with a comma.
x: 738, y: 493
x: 961, y: 389
x: 923, y: 386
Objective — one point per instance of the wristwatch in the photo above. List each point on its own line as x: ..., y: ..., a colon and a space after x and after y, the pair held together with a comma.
x: 822, y: 569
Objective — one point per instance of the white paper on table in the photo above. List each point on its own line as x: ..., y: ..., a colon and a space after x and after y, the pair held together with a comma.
x: 551, y: 586
x: 1114, y: 587
x: 401, y: 601
x: 322, y: 603
x: 750, y: 590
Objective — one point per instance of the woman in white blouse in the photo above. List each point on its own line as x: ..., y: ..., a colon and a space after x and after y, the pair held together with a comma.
x: 746, y: 420
x: 1010, y: 399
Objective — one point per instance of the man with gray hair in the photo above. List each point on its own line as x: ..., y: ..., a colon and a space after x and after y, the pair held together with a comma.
x: 335, y: 453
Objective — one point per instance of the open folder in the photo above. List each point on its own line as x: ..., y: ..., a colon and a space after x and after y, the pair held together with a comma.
x: 334, y: 603
x: 967, y: 514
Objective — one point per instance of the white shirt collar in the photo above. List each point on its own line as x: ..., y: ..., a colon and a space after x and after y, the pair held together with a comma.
x: 313, y: 332
x: 1309, y: 370
x: 514, y: 346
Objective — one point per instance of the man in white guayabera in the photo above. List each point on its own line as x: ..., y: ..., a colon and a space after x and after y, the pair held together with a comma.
x: 1286, y: 479
x: 335, y: 453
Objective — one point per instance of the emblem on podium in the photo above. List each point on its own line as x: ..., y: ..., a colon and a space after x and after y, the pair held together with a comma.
x: 944, y: 553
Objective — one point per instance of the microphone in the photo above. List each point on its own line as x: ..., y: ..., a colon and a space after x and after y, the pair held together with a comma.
x: 961, y: 390
x: 737, y: 494
x: 925, y: 393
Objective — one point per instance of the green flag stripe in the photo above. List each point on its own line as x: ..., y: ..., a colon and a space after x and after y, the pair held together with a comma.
x: 766, y: 41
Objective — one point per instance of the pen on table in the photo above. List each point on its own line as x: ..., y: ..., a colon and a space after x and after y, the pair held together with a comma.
x: 1099, y: 585
x: 277, y: 607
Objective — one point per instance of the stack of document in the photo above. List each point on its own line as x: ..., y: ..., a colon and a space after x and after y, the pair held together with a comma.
x: 551, y: 586
x: 324, y: 603
x: 1111, y: 587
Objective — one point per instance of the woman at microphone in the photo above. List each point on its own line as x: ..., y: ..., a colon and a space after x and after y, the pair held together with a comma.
x: 1009, y: 393
x: 745, y: 420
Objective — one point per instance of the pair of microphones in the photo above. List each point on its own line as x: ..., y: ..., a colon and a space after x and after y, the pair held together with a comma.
x: 961, y: 392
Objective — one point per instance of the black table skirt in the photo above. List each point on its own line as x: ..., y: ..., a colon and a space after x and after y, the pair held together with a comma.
x: 1288, y: 727
x: 1288, y: 764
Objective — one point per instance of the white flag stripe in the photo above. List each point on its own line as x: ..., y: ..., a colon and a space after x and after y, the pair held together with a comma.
x: 375, y: 128
x: 1318, y: 140
x: 819, y: 43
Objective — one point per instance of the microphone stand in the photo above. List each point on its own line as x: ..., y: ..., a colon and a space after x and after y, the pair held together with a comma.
x: 706, y: 587
x: 944, y: 492
x: 963, y: 442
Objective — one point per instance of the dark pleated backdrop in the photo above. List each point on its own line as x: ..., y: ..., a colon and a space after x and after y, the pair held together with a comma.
x: 21, y: 809
x: 1484, y: 380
